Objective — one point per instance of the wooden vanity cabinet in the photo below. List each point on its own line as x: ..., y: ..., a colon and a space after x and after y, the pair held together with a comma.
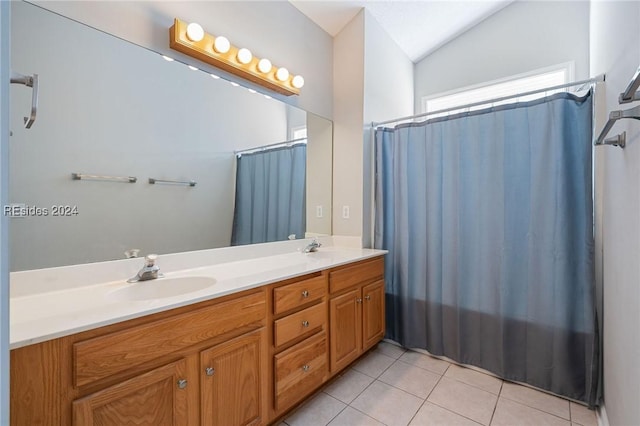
x: 233, y: 382
x: 151, y: 398
x: 356, y: 311
x: 242, y: 359
x: 152, y: 370
x: 299, y: 353
x: 232, y: 386
x: 373, y: 317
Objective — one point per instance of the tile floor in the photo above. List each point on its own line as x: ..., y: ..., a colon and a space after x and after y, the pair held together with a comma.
x: 391, y: 386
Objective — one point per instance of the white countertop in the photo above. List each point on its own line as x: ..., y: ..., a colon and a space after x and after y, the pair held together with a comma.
x: 40, y: 316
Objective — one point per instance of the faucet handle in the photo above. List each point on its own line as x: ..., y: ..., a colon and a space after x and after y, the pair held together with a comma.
x: 150, y: 259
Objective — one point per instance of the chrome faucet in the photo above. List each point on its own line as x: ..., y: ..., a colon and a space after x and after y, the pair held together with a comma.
x: 150, y: 271
x: 313, y: 246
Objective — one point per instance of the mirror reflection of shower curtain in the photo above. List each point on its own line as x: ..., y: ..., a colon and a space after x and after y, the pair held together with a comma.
x: 270, y: 195
x: 488, y: 219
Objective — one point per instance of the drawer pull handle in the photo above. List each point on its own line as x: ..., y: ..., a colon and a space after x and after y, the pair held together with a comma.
x: 182, y: 383
x: 367, y: 297
x: 209, y: 371
x: 358, y: 300
x: 305, y: 294
x: 305, y: 324
x: 305, y: 368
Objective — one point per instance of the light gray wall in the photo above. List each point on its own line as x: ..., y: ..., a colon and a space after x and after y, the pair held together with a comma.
x: 373, y: 80
x: 522, y: 37
x: 112, y: 108
x: 275, y: 30
x: 319, y: 171
x: 348, y: 98
x: 388, y: 94
x: 5, y: 65
x: 615, y: 50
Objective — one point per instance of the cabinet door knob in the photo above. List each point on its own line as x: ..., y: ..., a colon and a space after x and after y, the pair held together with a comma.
x: 305, y: 294
x: 367, y: 297
x: 358, y: 300
x: 305, y: 368
x: 182, y: 383
x: 209, y: 371
x: 305, y: 323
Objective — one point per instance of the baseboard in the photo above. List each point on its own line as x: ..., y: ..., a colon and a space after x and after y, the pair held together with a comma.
x: 601, y: 414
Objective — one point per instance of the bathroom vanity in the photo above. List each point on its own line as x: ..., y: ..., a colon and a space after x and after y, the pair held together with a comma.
x: 216, y: 356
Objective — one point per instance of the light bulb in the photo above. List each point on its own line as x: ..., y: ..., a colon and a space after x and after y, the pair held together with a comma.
x: 298, y: 81
x: 195, y: 32
x: 244, y: 56
x: 267, y: 97
x: 214, y: 76
x: 234, y: 84
x: 192, y: 68
x: 221, y: 45
x: 252, y: 91
x: 264, y: 66
x: 282, y: 74
x: 166, y: 58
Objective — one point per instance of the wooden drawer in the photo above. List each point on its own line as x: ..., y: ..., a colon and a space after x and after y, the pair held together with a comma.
x: 361, y: 272
x: 103, y: 356
x: 300, y: 370
x: 299, y: 324
x: 291, y: 296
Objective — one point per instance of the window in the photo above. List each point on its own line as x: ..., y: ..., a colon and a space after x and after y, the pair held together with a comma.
x: 538, y: 79
x: 299, y: 132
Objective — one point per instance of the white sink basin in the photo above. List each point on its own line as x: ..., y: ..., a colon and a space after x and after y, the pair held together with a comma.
x: 161, y: 288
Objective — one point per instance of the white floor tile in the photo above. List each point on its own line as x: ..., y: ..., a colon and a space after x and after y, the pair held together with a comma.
x: 474, y: 378
x: 425, y: 361
x: 536, y: 399
x: 432, y: 415
x: 468, y: 401
x: 373, y: 364
x: 352, y: 417
x: 349, y: 386
x: 511, y: 413
x: 582, y: 415
x: 409, y: 378
x: 319, y: 410
x: 389, y: 349
x: 387, y: 404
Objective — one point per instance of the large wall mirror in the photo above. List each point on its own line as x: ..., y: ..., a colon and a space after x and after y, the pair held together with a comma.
x: 111, y: 108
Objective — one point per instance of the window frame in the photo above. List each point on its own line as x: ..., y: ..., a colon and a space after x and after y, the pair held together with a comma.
x: 568, y: 67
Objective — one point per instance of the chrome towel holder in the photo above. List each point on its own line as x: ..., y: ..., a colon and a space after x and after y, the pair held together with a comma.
x: 29, y: 81
x: 630, y: 94
x: 190, y: 183
x: 123, y: 179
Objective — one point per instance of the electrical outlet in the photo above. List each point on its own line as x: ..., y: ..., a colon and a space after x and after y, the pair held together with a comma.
x: 318, y: 211
x: 345, y: 212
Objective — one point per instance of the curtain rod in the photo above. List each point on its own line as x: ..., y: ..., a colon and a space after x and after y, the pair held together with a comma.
x: 596, y: 79
x: 271, y: 145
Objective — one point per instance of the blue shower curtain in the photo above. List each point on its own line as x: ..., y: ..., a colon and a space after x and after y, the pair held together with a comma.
x: 270, y: 195
x: 488, y: 219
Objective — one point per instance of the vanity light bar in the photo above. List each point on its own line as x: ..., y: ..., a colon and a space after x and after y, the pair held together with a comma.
x: 191, y: 40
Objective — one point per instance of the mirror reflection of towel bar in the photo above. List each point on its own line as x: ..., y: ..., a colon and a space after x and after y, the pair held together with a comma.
x: 172, y: 182
x: 124, y: 179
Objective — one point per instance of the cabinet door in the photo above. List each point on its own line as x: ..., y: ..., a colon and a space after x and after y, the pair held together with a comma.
x: 231, y: 392
x: 373, y: 321
x: 345, y: 318
x: 158, y: 397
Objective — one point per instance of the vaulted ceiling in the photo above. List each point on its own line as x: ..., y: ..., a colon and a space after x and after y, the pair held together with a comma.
x: 418, y: 27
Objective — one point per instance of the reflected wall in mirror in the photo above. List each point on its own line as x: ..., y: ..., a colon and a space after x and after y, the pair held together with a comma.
x: 109, y: 107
